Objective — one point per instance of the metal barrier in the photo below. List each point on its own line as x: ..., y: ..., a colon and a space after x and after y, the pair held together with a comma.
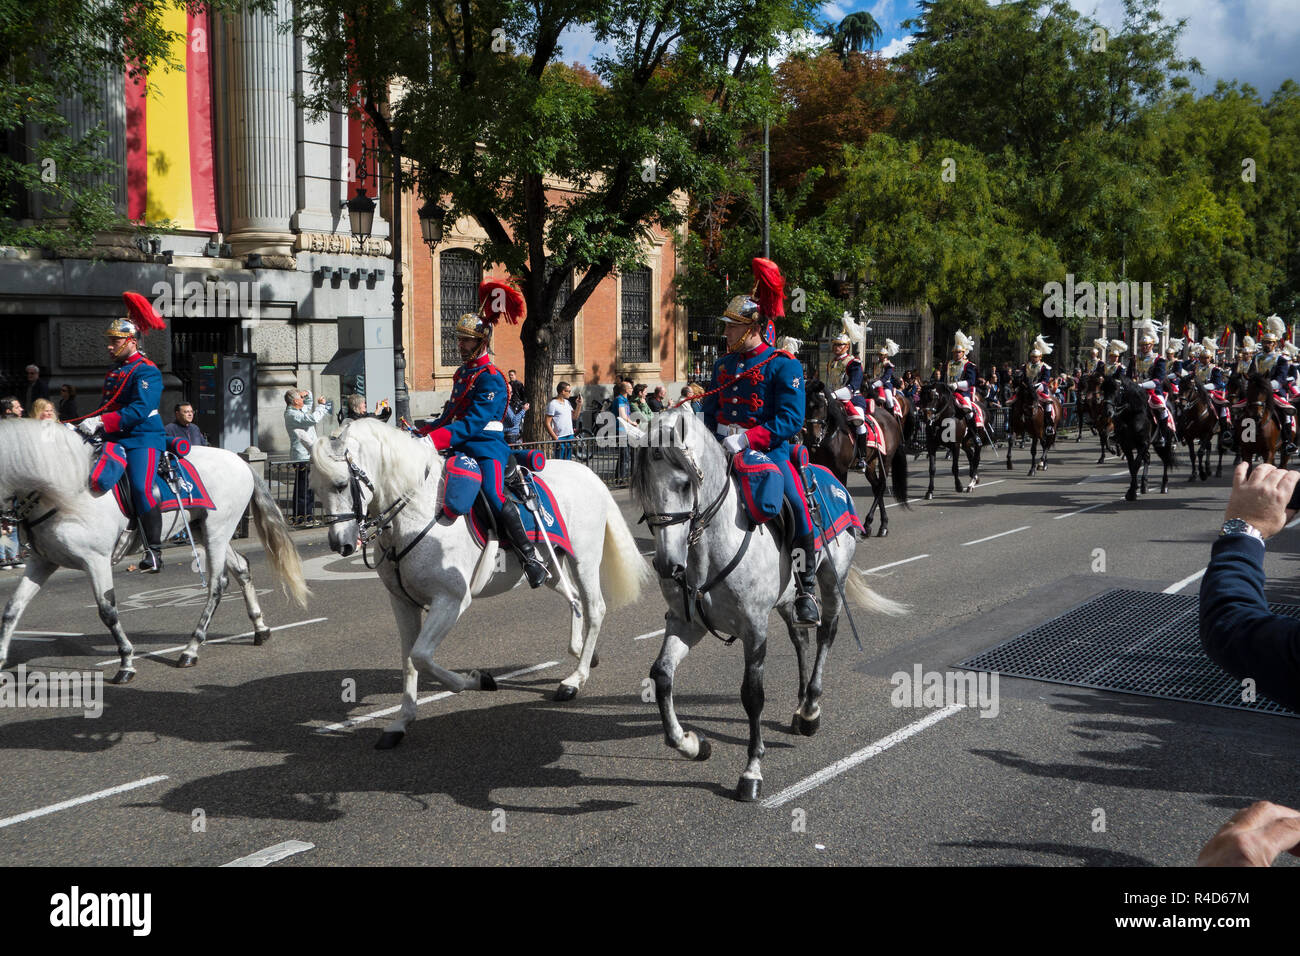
x: 611, y: 462
x: 281, y: 476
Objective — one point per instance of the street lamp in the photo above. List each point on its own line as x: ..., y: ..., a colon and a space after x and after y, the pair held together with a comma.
x: 361, y: 214
x: 431, y: 219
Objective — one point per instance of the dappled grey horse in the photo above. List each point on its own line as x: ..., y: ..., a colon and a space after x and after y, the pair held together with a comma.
x: 706, y: 546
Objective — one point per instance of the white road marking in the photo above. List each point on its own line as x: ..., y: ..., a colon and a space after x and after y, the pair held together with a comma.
x: 217, y: 640
x: 985, y: 484
x: 866, y: 753
x: 375, y: 714
x: 1293, y: 522
x: 272, y: 854
x: 892, y: 564
x: 76, y: 801
x: 1114, y: 474
x: 1079, y: 512
x: 1002, y: 534
x: 51, y: 633
x: 1175, y: 588
x: 642, y: 637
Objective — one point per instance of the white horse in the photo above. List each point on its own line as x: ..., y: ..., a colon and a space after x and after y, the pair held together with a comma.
x: 370, y: 472
x: 716, y: 571
x: 68, y: 526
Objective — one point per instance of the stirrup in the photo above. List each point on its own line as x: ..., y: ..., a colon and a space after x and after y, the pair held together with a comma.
x: 807, y: 610
x: 151, y: 563
x: 536, y: 571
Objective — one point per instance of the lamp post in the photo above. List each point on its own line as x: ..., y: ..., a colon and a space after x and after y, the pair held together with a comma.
x: 431, y: 222
x: 361, y: 216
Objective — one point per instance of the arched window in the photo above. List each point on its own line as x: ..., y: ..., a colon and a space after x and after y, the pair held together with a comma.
x: 459, y: 273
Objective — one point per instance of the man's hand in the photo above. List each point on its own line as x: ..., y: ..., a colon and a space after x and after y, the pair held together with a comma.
x: 322, y: 400
x: 734, y: 444
x: 88, y: 426
x: 1261, y: 499
x: 1254, y: 837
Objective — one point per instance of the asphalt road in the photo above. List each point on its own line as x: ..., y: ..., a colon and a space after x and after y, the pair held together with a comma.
x: 231, y: 757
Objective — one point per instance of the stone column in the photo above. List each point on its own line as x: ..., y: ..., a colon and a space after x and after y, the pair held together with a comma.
x: 259, y: 155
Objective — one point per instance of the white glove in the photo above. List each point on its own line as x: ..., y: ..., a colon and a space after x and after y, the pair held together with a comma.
x: 88, y: 426
x: 1148, y: 384
x: 876, y: 384
x: 961, y: 386
x: 1275, y: 386
x: 734, y: 444
x: 842, y: 394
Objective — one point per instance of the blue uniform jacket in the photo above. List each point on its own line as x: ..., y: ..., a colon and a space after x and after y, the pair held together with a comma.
x: 1044, y: 374
x: 968, y: 374
x: 1156, y: 373
x: 768, y: 405
x: 472, y: 418
x: 131, y: 418
x: 853, y: 376
x: 886, y: 376
x: 1238, y: 631
x: 1281, y: 369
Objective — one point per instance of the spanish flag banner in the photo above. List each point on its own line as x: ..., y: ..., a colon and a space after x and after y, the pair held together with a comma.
x: 169, y: 155
x: 1226, y: 337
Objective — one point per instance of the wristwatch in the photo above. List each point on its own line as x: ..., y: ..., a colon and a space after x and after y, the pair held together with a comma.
x: 1238, y: 526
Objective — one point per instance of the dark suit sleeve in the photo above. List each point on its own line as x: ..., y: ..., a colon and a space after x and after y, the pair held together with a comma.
x: 1238, y: 631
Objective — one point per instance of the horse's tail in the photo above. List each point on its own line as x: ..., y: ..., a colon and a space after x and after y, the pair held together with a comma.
x: 857, y: 593
x: 622, y: 570
x: 898, y: 474
x: 280, y: 549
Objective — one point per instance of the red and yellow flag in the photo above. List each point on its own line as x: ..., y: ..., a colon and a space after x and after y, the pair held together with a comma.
x: 169, y: 155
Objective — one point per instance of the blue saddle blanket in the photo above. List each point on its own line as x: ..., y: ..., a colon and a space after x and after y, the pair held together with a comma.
x: 462, y: 483
x: 835, y: 513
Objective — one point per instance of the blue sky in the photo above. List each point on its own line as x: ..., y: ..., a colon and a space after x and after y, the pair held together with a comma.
x: 1257, y: 43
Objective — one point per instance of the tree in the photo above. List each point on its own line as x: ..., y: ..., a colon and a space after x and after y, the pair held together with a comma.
x: 50, y: 55
x: 856, y: 33
x: 488, y: 113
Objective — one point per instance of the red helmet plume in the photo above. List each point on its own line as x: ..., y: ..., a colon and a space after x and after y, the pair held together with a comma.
x: 770, y: 288
x: 497, y: 299
x: 141, y: 312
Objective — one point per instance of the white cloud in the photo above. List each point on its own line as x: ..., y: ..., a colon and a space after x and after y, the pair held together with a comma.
x: 894, y: 47
x: 1257, y: 42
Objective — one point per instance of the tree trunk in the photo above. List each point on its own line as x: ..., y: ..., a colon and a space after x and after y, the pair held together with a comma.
x: 539, y: 369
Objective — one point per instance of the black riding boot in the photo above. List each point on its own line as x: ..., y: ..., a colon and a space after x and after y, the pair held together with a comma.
x: 974, y: 432
x: 1288, y: 434
x: 513, y: 526
x: 807, y: 609
x: 151, y: 537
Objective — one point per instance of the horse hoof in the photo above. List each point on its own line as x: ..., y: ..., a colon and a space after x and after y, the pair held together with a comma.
x: 929, y: 495
x: 882, y: 532
x: 565, y: 692
x: 187, y: 660
x: 389, y: 739
x: 804, y: 727
x: 487, y: 682
x: 705, y: 751
x: 261, y: 637
x: 595, y: 660
x: 748, y: 789
x: 123, y: 677
x: 1008, y: 466
x: 1131, y: 496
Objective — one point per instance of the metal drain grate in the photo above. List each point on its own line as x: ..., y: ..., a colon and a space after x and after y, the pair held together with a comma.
x: 1133, y: 642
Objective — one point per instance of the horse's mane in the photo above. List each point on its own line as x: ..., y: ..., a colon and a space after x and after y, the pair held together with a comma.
x: 666, y: 434
x: 403, y: 461
x: 1125, y: 389
x: 45, y: 457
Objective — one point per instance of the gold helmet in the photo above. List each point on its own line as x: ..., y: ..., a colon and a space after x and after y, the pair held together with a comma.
x: 140, y: 317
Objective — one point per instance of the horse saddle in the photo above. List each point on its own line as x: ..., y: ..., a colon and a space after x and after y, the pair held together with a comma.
x: 176, y: 475
x: 464, y: 494
x: 875, y: 436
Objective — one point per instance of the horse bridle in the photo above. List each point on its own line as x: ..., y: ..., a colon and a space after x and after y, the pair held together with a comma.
x: 367, y: 528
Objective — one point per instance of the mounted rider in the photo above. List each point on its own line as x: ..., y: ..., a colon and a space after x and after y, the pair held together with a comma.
x: 849, y: 393
x: 1039, y: 374
x: 1114, y: 364
x: 1098, y: 353
x: 1245, y: 356
x: 129, y: 416
x: 1271, y: 362
x: 1210, y: 375
x: 471, y: 422
x: 886, y: 377
x: 1147, y: 368
x: 961, y: 376
x: 756, y: 400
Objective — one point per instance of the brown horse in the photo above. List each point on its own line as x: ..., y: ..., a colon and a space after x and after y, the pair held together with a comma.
x: 1258, y: 432
x: 1028, y: 418
x: 831, y: 442
x: 1197, y: 420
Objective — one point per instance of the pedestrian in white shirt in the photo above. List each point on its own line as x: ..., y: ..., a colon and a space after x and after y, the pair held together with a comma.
x: 559, y: 420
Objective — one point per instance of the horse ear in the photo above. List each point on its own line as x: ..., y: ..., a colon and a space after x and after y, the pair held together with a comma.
x: 307, y: 438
